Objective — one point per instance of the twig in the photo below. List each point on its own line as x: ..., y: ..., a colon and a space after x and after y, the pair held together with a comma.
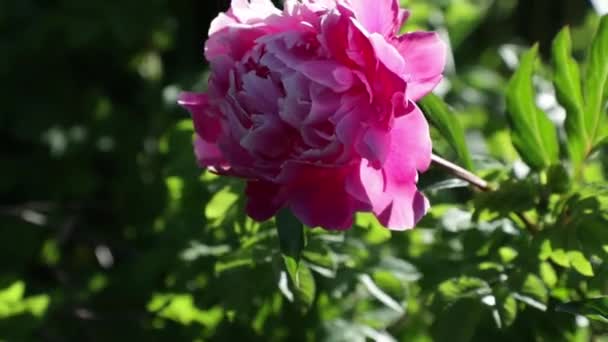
x: 480, y: 184
x: 461, y: 173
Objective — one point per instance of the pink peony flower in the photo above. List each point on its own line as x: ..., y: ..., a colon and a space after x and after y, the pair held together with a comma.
x: 314, y: 106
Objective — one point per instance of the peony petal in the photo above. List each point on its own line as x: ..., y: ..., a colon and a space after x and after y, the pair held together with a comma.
x: 425, y: 57
x: 264, y: 200
x: 392, y: 191
x: 206, y: 125
x: 261, y: 94
x: 380, y: 16
x: 208, y: 154
x: 330, y: 74
x: 252, y: 11
x: 388, y: 54
x: 317, y: 196
x: 266, y: 139
x: 375, y: 145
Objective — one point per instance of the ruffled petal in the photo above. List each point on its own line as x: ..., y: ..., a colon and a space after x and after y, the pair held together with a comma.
x: 392, y: 190
x: 317, y: 195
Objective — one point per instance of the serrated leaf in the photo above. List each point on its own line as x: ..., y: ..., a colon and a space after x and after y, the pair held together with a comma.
x: 567, y: 80
x: 533, y: 134
x: 291, y: 234
x: 595, y: 308
x: 448, y: 125
x: 596, y: 82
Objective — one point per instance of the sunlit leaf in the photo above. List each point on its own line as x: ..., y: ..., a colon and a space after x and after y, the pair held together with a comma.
x: 567, y: 80
x: 302, y: 280
x: 533, y: 134
x: 580, y: 263
x: 596, y: 82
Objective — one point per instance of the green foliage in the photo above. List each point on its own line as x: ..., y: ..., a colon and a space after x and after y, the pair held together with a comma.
x: 291, y: 234
x: 567, y: 81
x: 585, y: 123
x: 596, y: 83
x: 533, y: 134
x: 110, y: 232
x: 595, y: 308
x: 449, y: 127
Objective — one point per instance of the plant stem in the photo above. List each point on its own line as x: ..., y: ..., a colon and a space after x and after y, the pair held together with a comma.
x: 479, y: 183
x: 461, y: 173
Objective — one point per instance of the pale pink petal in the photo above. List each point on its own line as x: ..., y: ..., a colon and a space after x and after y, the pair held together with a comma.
x: 378, y: 16
x: 425, y: 57
x: 388, y: 54
x: 252, y: 11
x: 392, y: 190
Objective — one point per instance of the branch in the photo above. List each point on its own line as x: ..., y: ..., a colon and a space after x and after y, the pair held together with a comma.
x: 461, y: 173
x: 479, y: 183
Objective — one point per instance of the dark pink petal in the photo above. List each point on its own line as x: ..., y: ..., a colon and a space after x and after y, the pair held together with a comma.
x: 264, y: 200
x: 208, y: 154
x: 375, y: 145
x: 317, y: 196
x: 329, y: 74
x: 207, y: 126
x: 268, y: 138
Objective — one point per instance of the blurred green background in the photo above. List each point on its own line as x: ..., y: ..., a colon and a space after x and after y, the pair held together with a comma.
x: 109, y: 231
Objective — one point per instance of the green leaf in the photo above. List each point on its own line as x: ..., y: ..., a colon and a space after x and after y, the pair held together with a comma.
x: 463, y: 287
x: 458, y: 322
x: 448, y: 125
x: 567, y: 80
x: 291, y: 234
x: 548, y: 274
x: 533, y: 134
x: 596, y: 83
x: 595, y: 308
x: 533, y: 292
x: 507, y: 311
x: 302, y: 281
x: 380, y: 295
x: 580, y: 263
